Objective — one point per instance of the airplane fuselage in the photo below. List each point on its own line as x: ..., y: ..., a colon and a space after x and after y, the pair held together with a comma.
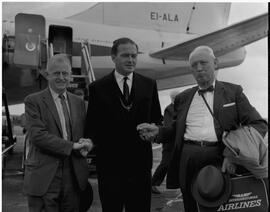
x: 20, y: 81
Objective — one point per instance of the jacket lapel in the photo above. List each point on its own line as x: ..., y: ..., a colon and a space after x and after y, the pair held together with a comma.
x: 218, y: 98
x: 48, y: 100
x: 114, y: 93
x: 188, y: 100
x: 218, y: 102
x: 114, y: 88
x: 135, y: 91
x: 181, y: 120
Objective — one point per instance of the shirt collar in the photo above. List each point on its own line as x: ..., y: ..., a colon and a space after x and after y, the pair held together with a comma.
x: 214, y: 83
x: 56, y: 95
x: 120, y: 77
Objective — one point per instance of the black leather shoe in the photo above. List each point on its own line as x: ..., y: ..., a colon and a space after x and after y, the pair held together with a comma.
x: 155, y: 190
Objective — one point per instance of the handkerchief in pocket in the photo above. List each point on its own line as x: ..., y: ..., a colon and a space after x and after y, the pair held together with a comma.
x: 229, y: 104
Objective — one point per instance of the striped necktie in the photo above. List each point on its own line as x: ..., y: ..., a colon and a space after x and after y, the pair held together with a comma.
x: 66, y: 116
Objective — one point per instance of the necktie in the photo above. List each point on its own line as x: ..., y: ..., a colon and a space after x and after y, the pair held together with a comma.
x: 125, y: 89
x: 209, y: 89
x: 66, y: 116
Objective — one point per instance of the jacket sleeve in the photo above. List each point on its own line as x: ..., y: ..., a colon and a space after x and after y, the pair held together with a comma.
x: 166, y: 134
x: 39, y: 135
x: 248, y: 115
x: 169, y: 115
x: 92, y: 122
x: 156, y: 116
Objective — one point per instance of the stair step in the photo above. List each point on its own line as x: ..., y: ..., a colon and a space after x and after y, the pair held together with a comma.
x: 77, y: 85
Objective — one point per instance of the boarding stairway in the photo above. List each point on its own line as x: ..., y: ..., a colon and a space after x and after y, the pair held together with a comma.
x: 8, y: 138
x: 60, y: 40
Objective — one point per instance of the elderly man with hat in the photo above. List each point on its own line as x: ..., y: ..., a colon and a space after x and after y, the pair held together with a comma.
x: 204, y: 112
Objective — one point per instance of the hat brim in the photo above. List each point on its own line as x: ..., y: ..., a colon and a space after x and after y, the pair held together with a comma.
x: 211, y: 204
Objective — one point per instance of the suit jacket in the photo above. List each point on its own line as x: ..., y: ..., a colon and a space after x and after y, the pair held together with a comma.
x: 120, y: 151
x: 169, y: 116
x: 231, y: 109
x: 46, y: 144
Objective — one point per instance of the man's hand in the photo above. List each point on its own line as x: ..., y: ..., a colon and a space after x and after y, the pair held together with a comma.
x: 84, y: 145
x: 228, y: 166
x: 147, y: 131
x: 84, y: 152
x: 77, y: 146
x: 87, y: 143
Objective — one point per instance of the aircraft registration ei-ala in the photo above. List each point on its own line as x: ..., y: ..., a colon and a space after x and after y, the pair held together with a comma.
x: 165, y: 32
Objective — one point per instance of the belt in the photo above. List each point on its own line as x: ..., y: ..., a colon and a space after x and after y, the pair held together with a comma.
x: 201, y: 143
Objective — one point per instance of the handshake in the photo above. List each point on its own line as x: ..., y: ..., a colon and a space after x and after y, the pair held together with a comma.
x: 148, y: 132
x: 84, y: 145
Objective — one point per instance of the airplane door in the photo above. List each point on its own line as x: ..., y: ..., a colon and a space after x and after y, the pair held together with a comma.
x: 61, y: 39
x: 29, y: 31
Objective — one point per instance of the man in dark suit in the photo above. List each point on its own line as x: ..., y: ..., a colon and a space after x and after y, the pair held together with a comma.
x: 198, y: 136
x: 56, y: 169
x: 167, y: 148
x: 117, y: 104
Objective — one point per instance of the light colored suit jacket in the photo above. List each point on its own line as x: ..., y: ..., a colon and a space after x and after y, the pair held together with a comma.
x: 46, y: 144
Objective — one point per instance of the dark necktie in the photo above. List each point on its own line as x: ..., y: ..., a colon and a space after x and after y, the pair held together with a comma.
x: 126, y: 89
x: 209, y: 89
x: 66, y: 116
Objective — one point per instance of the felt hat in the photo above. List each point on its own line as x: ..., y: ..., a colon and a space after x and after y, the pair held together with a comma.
x: 211, y: 187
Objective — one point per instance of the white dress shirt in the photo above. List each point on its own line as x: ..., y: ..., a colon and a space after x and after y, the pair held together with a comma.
x: 120, y: 80
x: 200, y: 122
x: 59, y: 107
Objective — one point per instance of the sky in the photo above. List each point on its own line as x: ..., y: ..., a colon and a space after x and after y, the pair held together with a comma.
x: 252, y: 74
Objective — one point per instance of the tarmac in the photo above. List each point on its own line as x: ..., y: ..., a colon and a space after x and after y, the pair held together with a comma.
x: 13, y: 199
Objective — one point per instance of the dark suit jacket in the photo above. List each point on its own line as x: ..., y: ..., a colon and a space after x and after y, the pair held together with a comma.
x: 169, y: 116
x: 120, y: 151
x: 46, y: 145
x: 242, y: 112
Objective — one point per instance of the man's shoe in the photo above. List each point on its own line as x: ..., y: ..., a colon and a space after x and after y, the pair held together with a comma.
x: 155, y: 190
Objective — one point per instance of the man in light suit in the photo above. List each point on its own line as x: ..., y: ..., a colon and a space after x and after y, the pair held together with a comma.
x: 198, y: 135
x: 117, y: 104
x: 56, y: 169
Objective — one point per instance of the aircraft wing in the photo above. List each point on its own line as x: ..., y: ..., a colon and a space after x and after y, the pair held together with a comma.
x: 221, y: 41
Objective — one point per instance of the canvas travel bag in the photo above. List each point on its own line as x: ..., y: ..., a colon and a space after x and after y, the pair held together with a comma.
x: 248, y: 194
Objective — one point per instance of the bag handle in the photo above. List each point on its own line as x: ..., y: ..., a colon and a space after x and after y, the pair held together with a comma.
x: 215, y: 119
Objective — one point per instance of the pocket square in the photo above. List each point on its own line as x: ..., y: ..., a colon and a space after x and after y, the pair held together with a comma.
x: 229, y: 104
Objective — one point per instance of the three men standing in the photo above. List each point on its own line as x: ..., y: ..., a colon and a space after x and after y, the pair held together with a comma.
x: 56, y: 170
x: 117, y: 104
